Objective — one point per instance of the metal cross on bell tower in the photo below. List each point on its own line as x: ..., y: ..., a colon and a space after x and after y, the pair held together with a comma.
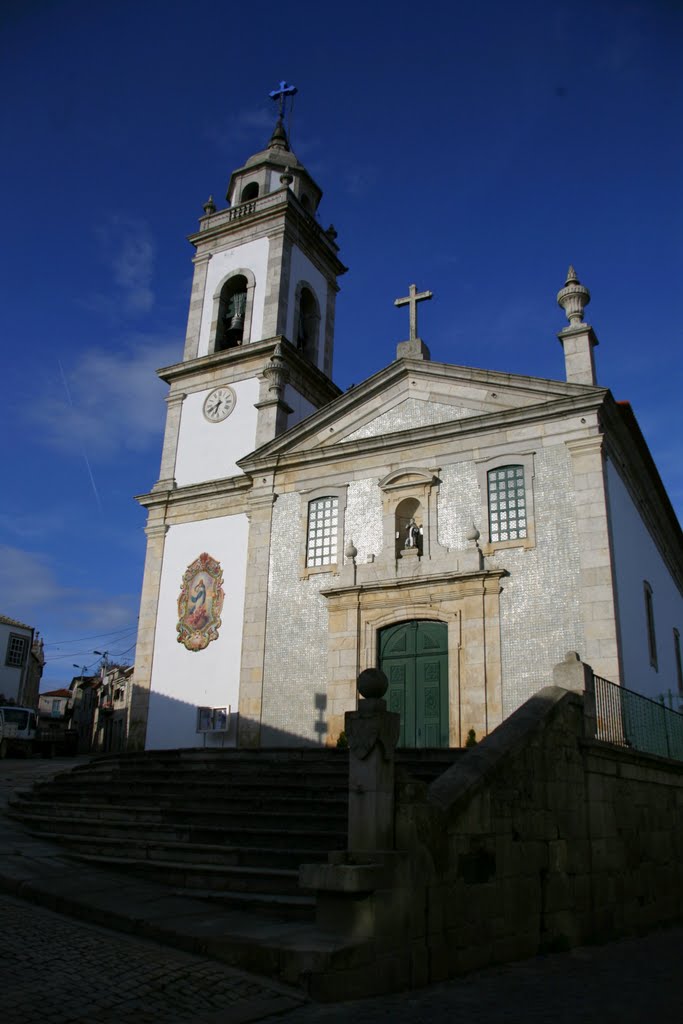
x: 283, y: 90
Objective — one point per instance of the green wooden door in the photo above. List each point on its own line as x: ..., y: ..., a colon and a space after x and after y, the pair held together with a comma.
x: 414, y: 656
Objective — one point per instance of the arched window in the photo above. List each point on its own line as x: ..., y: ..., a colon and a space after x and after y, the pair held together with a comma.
x: 231, y: 313
x: 249, y: 191
x: 408, y: 522
x: 307, y: 325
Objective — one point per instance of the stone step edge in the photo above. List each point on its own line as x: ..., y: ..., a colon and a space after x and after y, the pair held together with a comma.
x: 122, y: 824
x: 70, y: 841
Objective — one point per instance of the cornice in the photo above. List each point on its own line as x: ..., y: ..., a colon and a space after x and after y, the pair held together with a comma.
x: 412, y: 437
x: 258, y: 353
x: 469, y: 583
x: 262, y: 212
x: 208, y: 490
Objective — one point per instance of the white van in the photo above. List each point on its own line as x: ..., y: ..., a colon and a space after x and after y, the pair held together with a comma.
x: 17, y: 730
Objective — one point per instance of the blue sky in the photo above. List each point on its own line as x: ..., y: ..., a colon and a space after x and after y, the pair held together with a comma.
x: 473, y: 148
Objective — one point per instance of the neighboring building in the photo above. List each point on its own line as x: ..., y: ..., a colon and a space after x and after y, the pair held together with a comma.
x: 461, y: 528
x: 55, y: 704
x: 85, y: 691
x: 21, y: 663
x: 101, y: 709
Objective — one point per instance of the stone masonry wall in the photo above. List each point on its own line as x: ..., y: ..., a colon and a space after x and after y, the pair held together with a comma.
x: 539, y: 840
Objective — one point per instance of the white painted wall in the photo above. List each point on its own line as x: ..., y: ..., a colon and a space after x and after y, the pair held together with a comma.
x: 10, y: 677
x: 209, y: 451
x: 250, y: 256
x: 302, y: 269
x: 301, y: 407
x: 637, y: 558
x: 183, y: 680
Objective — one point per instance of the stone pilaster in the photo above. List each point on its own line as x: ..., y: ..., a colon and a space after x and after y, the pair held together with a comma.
x: 166, y: 480
x: 194, y: 320
x: 598, y: 604
x: 260, y: 517
x: 144, y: 652
x: 277, y: 286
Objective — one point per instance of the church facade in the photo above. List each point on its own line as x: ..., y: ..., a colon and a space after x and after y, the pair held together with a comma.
x: 462, y: 529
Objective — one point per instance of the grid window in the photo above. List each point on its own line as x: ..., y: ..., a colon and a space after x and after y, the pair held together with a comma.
x: 16, y: 650
x: 323, y: 519
x: 507, y: 504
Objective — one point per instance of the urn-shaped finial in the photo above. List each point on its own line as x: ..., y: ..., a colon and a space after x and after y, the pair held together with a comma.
x: 573, y: 298
x: 209, y: 206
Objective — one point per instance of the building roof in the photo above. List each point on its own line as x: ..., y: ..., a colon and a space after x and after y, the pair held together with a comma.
x: 56, y: 693
x: 6, y: 621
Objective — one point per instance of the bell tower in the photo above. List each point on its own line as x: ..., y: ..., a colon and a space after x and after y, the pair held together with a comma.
x: 257, y: 360
x: 261, y: 319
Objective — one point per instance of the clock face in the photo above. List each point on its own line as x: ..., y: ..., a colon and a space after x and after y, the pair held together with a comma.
x: 219, y: 403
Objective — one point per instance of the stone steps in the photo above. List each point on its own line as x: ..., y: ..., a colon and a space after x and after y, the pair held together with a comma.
x: 234, y: 825
x: 61, y: 822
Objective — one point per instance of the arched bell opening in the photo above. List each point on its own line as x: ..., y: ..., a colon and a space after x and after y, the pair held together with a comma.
x: 231, y: 313
x: 307, y: 324
x: 249, y: 191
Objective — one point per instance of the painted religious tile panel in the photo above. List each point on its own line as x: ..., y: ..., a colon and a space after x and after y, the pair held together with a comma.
x: 200, y: 603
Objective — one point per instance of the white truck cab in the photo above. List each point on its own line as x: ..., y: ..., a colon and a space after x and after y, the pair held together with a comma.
x: 17, y: 730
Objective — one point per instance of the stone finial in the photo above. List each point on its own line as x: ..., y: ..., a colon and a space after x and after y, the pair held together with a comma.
x: 209, y: 206
x: 278, y: 139
x: 351, y: 550
x: 372, y: 683
x: 286, y: 178
x: 332, y: 233
x: 473, y: 534
x: 573, y: 298
x: 276, y: 371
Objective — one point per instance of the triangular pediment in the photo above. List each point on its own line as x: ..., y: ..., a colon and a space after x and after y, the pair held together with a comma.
x: 414, y: 396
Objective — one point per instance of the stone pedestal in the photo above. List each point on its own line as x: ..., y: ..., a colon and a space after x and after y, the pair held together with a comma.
x: 373, y: 733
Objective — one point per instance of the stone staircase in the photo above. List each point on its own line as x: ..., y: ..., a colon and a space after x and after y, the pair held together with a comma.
x: 232, y: 826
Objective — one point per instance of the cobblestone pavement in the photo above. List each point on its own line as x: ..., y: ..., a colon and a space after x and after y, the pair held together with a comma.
x: 633, y: 981
x: 59, y: 971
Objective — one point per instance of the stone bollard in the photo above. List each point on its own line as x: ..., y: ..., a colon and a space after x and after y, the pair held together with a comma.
x: 574, y: 674
x: 373, y: 733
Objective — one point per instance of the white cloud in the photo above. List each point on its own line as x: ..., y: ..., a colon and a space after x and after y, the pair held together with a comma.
x: 114, y: 400
x: 129, y: 251
x: 33, y: 593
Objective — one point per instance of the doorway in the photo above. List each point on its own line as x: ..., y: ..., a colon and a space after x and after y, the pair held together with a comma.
x: 414, y: 657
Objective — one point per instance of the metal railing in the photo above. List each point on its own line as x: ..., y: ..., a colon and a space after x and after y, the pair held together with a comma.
x: 631, y: 720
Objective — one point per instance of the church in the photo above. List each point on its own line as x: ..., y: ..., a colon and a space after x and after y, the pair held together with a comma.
x: 461, y: 529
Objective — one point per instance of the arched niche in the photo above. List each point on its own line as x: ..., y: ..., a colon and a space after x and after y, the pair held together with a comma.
x: 410, y: 493
x: 232, y: 309
x: 408, y: 526
x: 307, y: 321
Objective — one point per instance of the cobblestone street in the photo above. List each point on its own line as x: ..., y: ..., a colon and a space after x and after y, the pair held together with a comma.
x: 59, y: 971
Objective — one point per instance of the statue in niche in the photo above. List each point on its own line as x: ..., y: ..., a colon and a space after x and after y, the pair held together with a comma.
x: 413, y: 533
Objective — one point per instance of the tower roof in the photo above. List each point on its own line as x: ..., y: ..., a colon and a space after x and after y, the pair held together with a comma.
x: 278, y: 157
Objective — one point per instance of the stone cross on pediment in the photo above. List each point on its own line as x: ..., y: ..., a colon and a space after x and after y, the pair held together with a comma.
x: 412, y: 299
